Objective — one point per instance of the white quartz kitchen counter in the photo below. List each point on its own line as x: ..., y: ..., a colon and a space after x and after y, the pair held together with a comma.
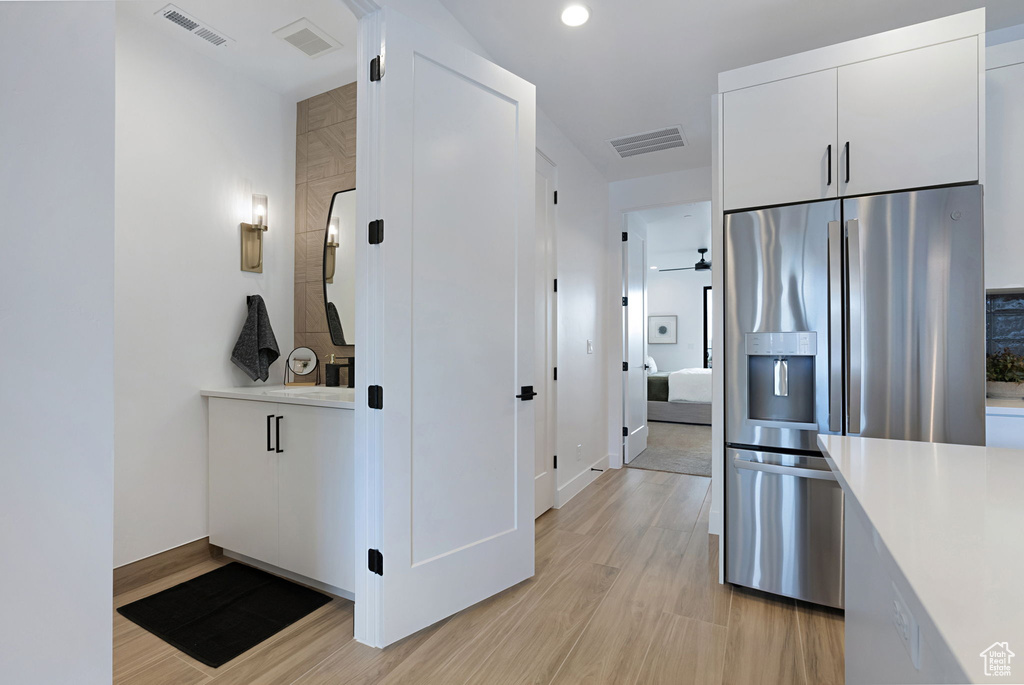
x: 952, y: 519
x: 997, y: 407
x: 313, y: 396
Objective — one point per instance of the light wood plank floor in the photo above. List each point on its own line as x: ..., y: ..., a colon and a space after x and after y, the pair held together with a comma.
x: 626, y: 591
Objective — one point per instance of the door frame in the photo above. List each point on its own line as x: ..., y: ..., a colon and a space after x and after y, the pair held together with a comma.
x: 547, y: 304
x: 706, y: 351
x: 616, y: 460
x: 624, y: 450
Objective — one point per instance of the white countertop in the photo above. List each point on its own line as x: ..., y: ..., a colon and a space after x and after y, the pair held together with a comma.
x: 952, y: 518
x: 996, y: 407
x: 310, y: 395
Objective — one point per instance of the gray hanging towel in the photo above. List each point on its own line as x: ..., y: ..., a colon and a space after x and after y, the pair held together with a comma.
x: 334, y: 324
x: 256, y: 348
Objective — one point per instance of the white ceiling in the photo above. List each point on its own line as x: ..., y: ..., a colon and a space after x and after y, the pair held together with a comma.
x: 639, y: 65
x: 256, y: 52
x: 674, y: 234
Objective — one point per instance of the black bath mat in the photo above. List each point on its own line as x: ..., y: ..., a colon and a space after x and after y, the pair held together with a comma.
x: 216, y: 616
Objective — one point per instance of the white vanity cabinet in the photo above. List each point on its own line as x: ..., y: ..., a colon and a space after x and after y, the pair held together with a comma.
x: 281, y: 486
x: 859, y: 121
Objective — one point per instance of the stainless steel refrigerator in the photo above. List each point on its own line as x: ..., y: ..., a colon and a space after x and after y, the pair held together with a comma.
x: 863, y: 316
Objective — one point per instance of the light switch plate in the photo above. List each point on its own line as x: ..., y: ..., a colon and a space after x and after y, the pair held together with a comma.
x: 590, y: 347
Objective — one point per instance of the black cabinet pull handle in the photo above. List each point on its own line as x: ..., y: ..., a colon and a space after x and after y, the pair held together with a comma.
x: 278, y: 436
x: 527, y: 393
x: 830, y: 164
x: 847, y: 152
x: 270, y: 448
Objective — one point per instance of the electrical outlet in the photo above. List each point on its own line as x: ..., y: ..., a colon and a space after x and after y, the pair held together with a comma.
x: 906, y: 627
x: 579, y: 452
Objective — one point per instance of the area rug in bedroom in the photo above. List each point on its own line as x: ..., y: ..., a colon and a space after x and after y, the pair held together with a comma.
x: 676, y: 447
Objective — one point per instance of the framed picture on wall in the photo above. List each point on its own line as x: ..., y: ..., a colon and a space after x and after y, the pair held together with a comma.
x: 661, y: 330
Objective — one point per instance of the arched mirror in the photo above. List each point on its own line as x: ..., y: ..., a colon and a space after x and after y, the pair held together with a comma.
x: 339, y: 268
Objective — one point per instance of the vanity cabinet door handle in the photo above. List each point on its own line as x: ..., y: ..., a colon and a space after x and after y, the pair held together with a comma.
x: 278, y: 437
x: 270, y: 448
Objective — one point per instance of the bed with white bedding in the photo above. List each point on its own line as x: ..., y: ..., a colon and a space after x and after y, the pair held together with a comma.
x: 682, y: 396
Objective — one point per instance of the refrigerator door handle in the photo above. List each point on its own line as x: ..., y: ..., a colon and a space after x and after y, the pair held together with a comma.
x: 835, y: 327
x: 855, y: 313
x: 778, y: 469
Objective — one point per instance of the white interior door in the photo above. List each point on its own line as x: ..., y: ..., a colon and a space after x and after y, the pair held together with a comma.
x: 546, y: 339
x: 450, y: 329
x: 635, y: 376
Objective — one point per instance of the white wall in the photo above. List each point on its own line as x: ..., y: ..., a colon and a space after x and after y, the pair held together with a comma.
x: 679, y: 293
x: 56, y: 336
x: 194, y: 141
x: 1004, y: 92
x: 582, y: 248
x: 676, y: 188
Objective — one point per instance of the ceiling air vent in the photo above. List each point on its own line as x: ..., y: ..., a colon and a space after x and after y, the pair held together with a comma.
x: 308, y: 37
x: 197, y: 28
x: 652, y: 141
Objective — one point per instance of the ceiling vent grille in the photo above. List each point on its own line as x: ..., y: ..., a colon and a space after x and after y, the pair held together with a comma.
x: 308, y: 37
x: 651, y: 141
x: 197, y: 28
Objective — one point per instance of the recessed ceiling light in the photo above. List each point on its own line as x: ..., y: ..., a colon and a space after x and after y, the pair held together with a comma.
x: 654, y: 268
x: 575, y: 15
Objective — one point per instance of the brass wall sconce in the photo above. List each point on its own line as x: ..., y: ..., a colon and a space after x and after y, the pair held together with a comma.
x: 252, y: 236
x: 332, y: 248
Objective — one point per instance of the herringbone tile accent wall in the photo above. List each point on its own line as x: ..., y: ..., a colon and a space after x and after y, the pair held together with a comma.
x: 325, y: 163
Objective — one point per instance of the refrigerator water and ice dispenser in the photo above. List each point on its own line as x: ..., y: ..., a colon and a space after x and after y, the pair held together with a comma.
x: 780, y: 377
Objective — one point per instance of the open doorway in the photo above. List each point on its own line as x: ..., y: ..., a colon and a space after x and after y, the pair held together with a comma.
x: 667, y: 337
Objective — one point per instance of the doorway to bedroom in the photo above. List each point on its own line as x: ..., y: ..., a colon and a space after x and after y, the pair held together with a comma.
x: 667, y: 330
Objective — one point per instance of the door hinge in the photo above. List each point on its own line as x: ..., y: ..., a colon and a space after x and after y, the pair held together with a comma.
x: 625, y: 432
x: 376, y: 231
x: 625, y: 366
x: 375, y: 397
x: 376, y: 68
x: 556, y: 461
x: 375, y: 561
x: 625, y: 236
x: 554, y: 376
x: 625, y: 302
x: 556, y: 197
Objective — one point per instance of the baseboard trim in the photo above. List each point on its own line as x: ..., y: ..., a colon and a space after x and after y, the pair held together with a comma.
x: 138, y: 573
x: 302, y: 580
x: 576, y: 485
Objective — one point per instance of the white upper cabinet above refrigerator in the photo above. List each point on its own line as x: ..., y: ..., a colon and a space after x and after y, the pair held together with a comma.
x: 901, y: 110
x: 910, y: 119
x: 780, y: 141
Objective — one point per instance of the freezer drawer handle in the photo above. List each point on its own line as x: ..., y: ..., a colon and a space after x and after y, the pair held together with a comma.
x: 817, y: 474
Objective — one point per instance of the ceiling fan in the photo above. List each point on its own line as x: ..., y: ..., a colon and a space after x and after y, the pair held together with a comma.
x: 702, y: 265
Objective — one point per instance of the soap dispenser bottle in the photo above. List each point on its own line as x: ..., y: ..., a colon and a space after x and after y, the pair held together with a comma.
x: 333, y: 373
